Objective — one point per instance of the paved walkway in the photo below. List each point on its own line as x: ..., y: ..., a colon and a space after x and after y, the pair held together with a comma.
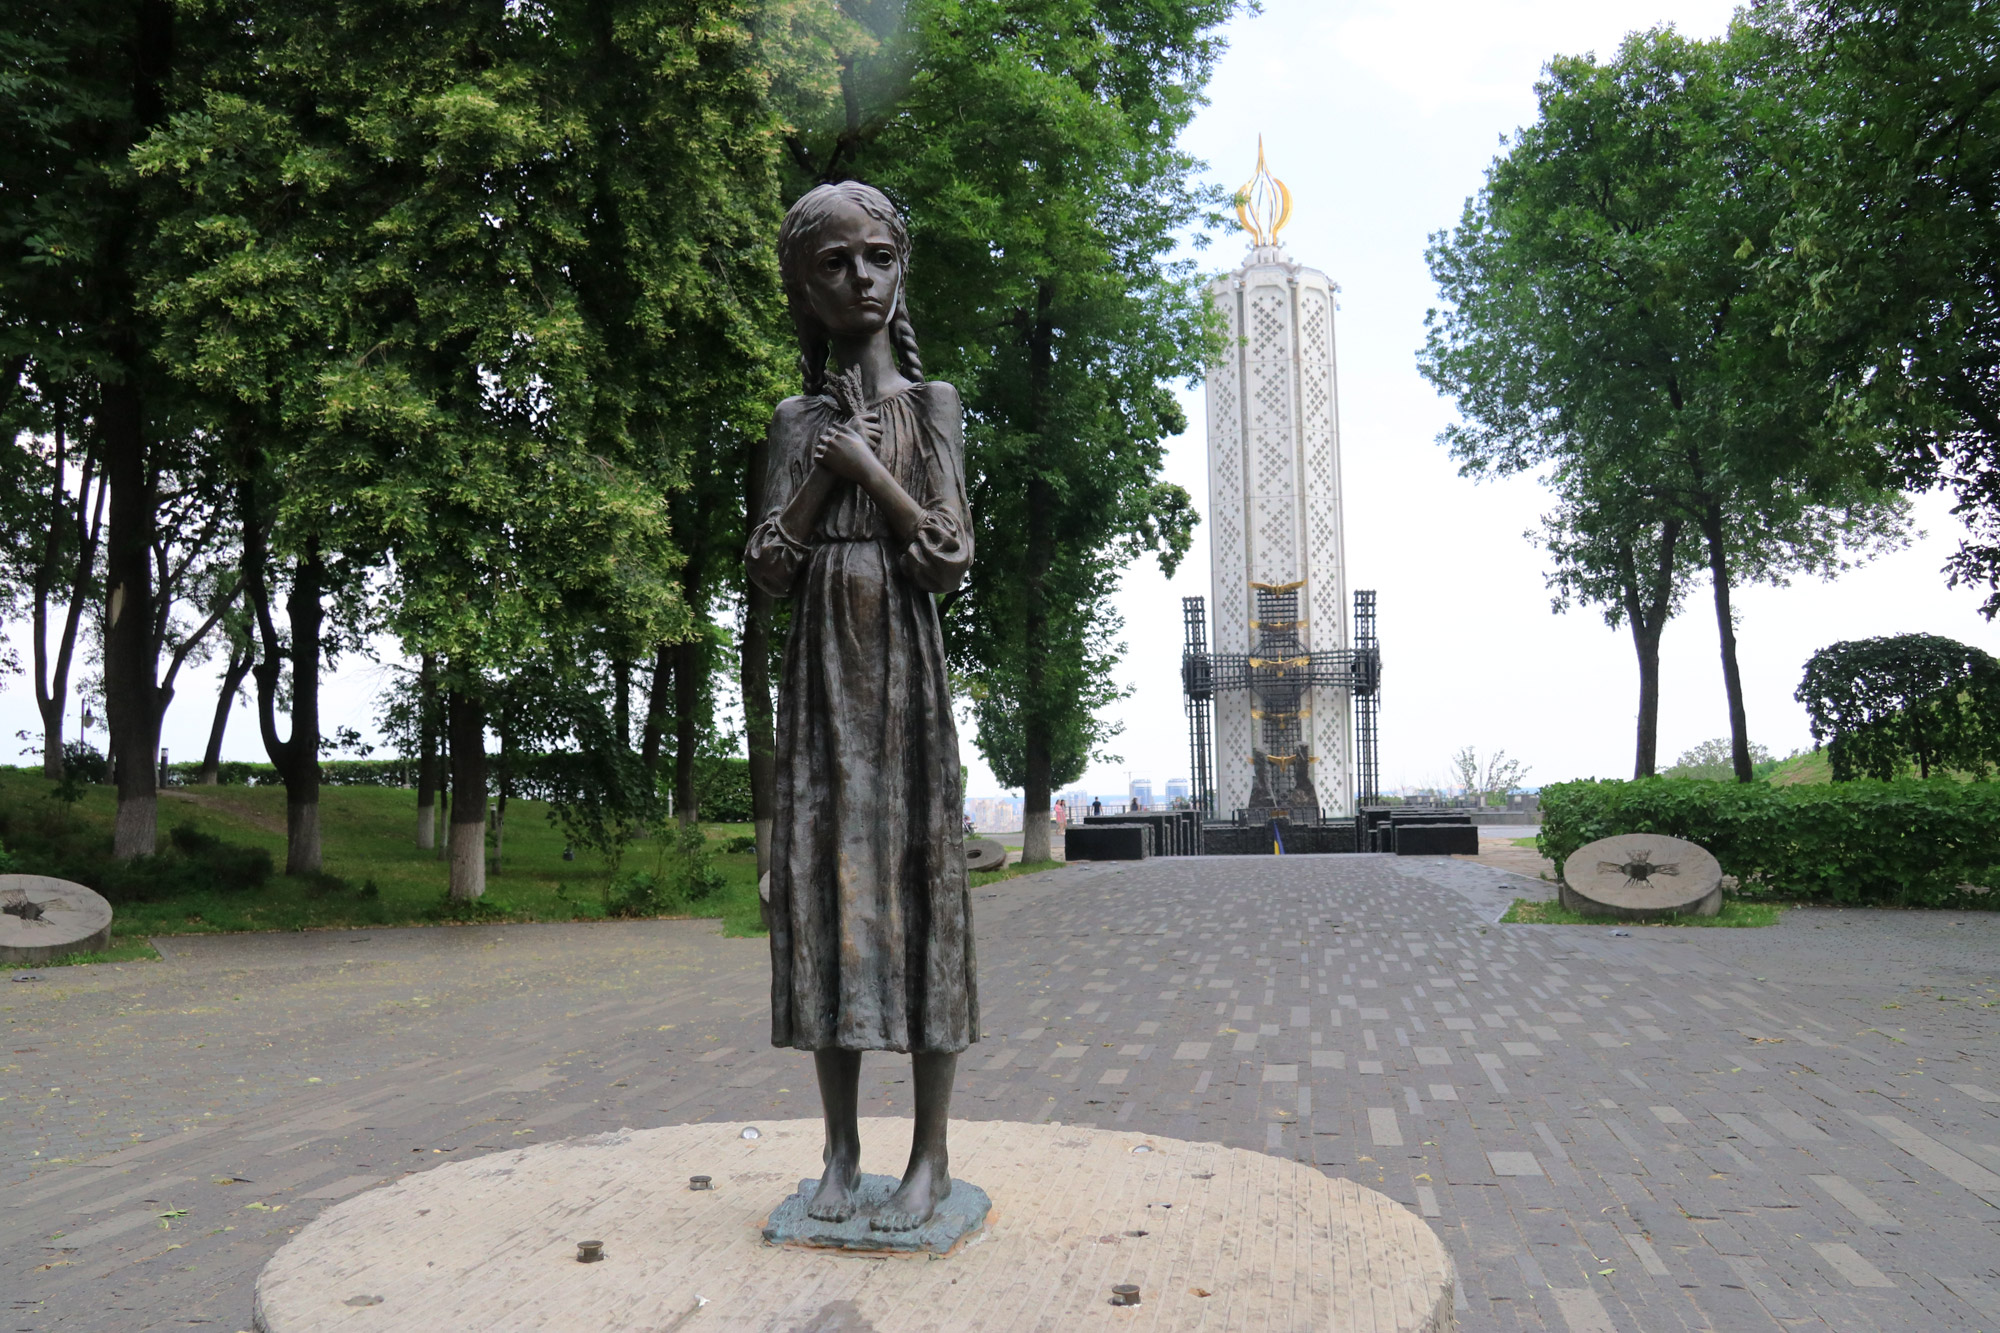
x: 1791, y: 1128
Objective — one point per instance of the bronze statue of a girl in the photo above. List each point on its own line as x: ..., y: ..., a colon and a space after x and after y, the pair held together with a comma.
x: 871, y: 921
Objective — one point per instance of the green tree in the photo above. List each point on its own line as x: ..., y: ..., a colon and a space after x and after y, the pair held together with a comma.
x: 1606, y: 317
x: 1615, y: 547
x: 477, y: 294
x: 51, y: 535
x: 84, y: 81
x: 1715, y: 761
x: 1034, y: 146
x: 1880, y: 705
x: 1888, y: 257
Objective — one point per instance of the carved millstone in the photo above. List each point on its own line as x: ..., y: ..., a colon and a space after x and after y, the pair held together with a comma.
x: 984, y: 854
x: 1640, y: 876
x: 1214, y: 1238
x: 43, y: 919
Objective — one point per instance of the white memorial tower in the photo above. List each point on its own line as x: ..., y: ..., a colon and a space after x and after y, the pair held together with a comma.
x: 1278, y: 567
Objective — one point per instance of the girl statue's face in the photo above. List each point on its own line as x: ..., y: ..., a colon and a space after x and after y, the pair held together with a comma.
x: 853, y: 275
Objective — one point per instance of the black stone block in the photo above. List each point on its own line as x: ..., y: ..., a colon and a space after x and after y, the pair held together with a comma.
x: 1107, y: 842
x: 1436, y: 839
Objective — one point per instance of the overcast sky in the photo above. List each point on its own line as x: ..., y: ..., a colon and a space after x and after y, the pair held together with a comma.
x: 1381, y: 116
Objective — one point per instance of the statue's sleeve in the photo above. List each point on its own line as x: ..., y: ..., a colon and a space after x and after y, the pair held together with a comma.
x: 773, y: 558
x: 940, y: 554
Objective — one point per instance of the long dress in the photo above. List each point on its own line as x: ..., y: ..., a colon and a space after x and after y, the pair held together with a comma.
x: 871, y: 918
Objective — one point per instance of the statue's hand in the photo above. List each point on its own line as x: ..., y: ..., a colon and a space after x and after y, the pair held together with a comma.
x: 844, y: 452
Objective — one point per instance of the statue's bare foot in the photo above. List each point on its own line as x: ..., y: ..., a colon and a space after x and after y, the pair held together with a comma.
x: 833, y: 1201
x: 924, y: 1187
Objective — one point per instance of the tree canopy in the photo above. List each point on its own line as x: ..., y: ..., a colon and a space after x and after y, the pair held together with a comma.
x: 1886, y: 263
x: 1881, y: 705
x: 1033, y: 144
x: 1606, y: 323
x: 462, y: 324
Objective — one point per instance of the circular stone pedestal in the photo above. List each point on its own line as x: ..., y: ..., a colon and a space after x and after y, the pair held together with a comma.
x: 1215, y: 1238
x: 1641, y: 876
x: 43, y: 918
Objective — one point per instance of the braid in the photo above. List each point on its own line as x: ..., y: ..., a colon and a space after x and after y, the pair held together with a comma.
x: 904, y: 334
x: 813, y: 350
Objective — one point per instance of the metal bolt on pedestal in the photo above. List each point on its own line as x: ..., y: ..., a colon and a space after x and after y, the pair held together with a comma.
x: 700, y: 1183
x: 589, y: 1251
x: 1125, y: 1293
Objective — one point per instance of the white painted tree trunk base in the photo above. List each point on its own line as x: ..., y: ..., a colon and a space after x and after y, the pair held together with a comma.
x: 1250, y: 1242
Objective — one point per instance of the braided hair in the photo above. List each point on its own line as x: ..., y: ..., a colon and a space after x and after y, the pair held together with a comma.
x: 795, y: 241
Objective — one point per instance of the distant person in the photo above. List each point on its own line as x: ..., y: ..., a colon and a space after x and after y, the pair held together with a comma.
x: 1133, y: 809
x: 1062, y: 814
x: 1097, y: 806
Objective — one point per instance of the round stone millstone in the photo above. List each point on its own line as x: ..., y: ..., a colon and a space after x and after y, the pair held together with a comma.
x: 43, y: 918
x: 1639, y: 876
x: 1214, y: 1238
x: 984, y: 854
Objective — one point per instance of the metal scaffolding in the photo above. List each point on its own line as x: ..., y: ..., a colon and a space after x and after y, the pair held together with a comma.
x: 1277, y: 674
x: 1200, y: 699
x: 1367, y: 673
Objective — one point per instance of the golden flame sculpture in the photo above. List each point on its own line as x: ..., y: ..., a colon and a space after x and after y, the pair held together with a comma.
x: 1263, y: 205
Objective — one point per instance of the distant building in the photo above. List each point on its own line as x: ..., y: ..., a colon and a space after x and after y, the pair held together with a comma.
x: 1177, y: 789
x: 994, y: 814
x: 1142, y: 792
x: 1078, y: 803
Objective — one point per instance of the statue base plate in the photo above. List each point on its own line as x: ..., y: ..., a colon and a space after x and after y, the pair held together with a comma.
x: 962, y: 1213
x: 1213, y: 1238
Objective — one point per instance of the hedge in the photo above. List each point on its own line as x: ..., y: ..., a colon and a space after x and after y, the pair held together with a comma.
x: 722, y: 785
x: 1908, y: 842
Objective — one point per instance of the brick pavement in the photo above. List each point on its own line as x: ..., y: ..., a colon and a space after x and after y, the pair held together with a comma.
x: 1670, y: 1129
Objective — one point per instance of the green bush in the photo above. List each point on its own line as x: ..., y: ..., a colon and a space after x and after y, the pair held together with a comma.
x: 332, y: 773
x: 1908, y: 842
x: 684, y: 875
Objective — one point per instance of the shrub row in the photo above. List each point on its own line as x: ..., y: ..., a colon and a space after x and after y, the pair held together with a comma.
x: 332, y: 772
x: 1907, y: 842
x: 722, y: 785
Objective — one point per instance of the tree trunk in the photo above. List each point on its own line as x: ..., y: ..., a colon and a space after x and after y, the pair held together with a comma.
x: 307, y: 614
x: 1649, y: 602
x: 621, y: 703
x: 427, y: 754
x: 296, y: 758
x: 1037, y: 759
x: 131, y: 703
x: 759, y: 722
x: 1725, y: 624
x: 466, y: 723
x: 1647, y: 645
x: 444, y: 781
x: 690, y: 668
x: 652, y: 734
x: 87, y: 520
x: 240, y: 659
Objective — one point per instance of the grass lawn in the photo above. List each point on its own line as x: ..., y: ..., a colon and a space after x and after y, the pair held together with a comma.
x: 1735, y: 912
x: 374, y: 876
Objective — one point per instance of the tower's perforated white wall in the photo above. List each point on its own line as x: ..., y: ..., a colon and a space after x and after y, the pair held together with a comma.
x: 1274, y: 500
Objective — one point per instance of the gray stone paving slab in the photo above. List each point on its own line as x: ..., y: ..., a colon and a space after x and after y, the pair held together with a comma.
x: 1778, y: 1128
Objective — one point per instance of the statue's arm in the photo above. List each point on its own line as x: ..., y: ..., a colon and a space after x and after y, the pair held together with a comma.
x: 779, y: 537
x: 939, y: 553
